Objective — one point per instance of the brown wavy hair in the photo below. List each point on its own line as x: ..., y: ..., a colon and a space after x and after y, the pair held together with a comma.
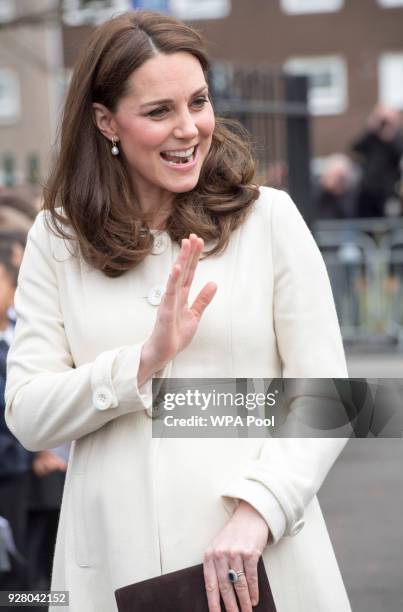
x: 89, y: 194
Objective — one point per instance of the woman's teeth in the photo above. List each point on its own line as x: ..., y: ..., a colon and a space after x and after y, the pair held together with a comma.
x: 179, y: 157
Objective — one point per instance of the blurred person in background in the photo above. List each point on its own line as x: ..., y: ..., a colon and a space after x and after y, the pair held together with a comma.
x: 12, y: 243
x: 336, y: 193
x: 15, y: 461
x: 40, y: 498
x: 45, y: 497
x: 379, y: 151
x: 16, y: 212
x: 34, y: 480
x: 276, y: 174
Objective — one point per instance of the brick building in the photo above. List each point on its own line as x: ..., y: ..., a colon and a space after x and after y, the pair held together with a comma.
x: 352, y: 50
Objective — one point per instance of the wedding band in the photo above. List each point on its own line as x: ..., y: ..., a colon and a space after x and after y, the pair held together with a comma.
x: 233, y: 575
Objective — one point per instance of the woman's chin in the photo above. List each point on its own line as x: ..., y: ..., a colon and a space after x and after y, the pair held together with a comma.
x: 183, y: 186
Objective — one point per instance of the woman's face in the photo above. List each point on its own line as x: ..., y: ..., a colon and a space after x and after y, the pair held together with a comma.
x: 165, y: 124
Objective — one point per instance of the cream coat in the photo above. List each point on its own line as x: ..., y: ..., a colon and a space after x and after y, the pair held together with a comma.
x: 135, y: 507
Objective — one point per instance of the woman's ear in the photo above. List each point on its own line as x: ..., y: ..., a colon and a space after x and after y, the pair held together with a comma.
x: 104, y: 121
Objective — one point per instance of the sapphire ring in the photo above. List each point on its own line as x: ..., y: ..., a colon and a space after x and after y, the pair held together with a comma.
x: 233, y: 575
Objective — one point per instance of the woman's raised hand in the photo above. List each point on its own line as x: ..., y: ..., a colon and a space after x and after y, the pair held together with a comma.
x: 176, y: 322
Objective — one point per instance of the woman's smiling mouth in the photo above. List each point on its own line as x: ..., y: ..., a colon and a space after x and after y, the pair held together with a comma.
x: 180, y: 157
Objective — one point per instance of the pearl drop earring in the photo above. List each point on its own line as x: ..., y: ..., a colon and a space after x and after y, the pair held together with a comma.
x: 114, y: 149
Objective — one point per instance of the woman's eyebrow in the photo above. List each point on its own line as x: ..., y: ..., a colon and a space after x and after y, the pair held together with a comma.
x: 167, y: 100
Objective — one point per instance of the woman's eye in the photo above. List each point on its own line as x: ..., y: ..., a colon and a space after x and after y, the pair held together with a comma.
x: 158, y: 112
x: 161, y: 111
x: 200, y: 102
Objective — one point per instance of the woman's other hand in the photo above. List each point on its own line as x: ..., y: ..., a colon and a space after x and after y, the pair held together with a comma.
x: 238, y: 546
x: 176, y: 322
x: 45, y: 462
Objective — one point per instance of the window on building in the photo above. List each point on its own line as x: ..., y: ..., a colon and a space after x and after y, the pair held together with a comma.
x: 296, y: 7
x: 202, y: 9
x: 78, y: 12
x: 163, y: 6
x: 327, y: 77
x: 7, y: 10
x: 390, y: 3
x: 10, y: 99
x: 391, y: 79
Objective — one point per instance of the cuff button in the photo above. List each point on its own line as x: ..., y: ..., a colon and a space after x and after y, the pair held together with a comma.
x: 296, y: 528
x: 102, y: 398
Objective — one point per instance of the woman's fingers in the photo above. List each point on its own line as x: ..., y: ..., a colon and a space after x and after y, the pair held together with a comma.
x: 224, y: 583
x: 174, y: 306
x: 178, y: 271
x: 169, y: 300
x: 211, y: 583
x: 250, y: 568
x: 203, y: 299
x: 239, y: 596
x: 238, y: 546
x: 183, y: 257
x: 197, y: 248
x: 187, y: 260
x: 241, y: 585
x: 192, y: 240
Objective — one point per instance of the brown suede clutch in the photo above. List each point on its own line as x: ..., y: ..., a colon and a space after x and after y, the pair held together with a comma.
x: 182, y: 591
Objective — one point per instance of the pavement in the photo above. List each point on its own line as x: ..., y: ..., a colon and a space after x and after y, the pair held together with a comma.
x: 362, y: 501
x: 375, y: 364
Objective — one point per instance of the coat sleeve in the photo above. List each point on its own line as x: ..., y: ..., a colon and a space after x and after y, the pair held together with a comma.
x: 48, y: 400
x: 282, y: 481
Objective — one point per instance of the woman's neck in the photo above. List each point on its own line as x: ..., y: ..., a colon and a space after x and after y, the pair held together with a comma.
x: 158, y: 221
x: 156, y: 204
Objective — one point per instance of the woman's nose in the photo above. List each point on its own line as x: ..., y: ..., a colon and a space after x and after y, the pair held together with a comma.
x: 186, y: 127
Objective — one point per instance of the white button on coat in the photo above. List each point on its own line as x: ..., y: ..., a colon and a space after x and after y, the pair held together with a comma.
x: 154, y: 411
x: 155, y: 294
x: 160, y: 244
x: 102, y: 398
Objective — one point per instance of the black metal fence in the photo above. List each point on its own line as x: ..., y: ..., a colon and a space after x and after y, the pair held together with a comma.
x: 273, y: 107
x: 364, y: 258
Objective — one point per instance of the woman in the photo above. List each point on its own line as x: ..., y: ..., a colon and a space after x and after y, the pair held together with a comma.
x: 103, y: 307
